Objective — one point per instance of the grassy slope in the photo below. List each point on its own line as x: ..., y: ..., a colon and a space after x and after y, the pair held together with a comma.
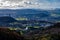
x: 51, y: 33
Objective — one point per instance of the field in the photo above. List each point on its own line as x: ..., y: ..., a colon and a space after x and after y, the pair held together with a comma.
x: 30, y: 32
x: 30, y: 24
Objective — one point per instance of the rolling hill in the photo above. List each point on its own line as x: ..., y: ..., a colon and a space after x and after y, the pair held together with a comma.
x: 33, y: 14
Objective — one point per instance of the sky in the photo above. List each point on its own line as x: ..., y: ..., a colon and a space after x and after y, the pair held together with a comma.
x: 35, y: 4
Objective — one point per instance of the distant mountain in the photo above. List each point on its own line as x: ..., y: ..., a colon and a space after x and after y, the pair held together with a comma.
x: 33, y: 14
x: 22, y: 11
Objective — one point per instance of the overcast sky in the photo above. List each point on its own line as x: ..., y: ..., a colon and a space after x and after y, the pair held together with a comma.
x: 36, y: 4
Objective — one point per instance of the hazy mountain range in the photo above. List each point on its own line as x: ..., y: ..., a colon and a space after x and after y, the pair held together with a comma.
x: 50, y: 15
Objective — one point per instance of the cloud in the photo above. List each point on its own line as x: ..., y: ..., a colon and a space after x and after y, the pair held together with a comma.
x: 21, y: 4
x: 12, y: 0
